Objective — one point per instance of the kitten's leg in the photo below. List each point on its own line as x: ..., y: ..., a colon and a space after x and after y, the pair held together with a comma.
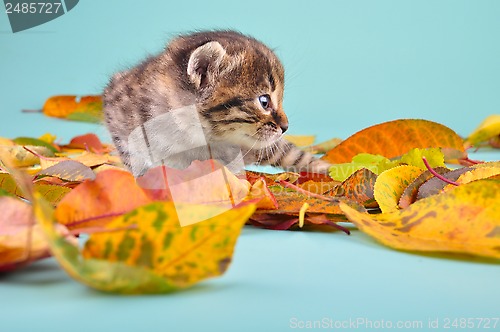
x: 289, y: 157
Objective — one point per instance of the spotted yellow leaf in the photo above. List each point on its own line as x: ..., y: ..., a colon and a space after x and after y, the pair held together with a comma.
x: 391, y: 184
x: 476, y: 173
x: 146, y: 250
x: 464, y: 220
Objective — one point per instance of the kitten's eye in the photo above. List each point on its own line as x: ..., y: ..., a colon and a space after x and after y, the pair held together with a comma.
x: 265, y: 101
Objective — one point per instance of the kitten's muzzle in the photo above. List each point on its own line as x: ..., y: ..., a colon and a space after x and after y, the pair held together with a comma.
x: 281, y: 120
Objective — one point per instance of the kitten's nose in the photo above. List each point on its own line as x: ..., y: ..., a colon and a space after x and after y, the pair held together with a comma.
x: 284, y: 127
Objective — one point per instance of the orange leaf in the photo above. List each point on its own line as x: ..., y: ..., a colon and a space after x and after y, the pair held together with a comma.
x: 291, y: 201
x: 88, y: 142
x: 395, y: 138
x: 113, y: 192
x: 21, y: 242
x: 259, y: 190
x: 63, y: 106
x: 358, y: 187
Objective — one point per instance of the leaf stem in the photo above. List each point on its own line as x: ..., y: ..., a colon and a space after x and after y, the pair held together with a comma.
x: 34, y: 153
x: 306, y: 192
x: 31, y: 111
x: 436, y: 174
x: 94, y: 230
x: 103, y: 216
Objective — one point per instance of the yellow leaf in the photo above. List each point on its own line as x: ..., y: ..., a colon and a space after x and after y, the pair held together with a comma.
x: 147, y: 251
x: 391, y: 184
x: 323, y: 147
x: 48, y: 138
x: 474, y: 174
x: 6, y: 142
x: 91, y: 159
x: 489, y: 128
x: 465, y: 220
x: 17, y: 156
x: 300, y: 140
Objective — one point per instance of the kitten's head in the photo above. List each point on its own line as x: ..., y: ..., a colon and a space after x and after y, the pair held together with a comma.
x: 239, y: 83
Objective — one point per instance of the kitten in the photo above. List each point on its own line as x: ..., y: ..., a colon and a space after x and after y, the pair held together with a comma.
x: 208, y: 95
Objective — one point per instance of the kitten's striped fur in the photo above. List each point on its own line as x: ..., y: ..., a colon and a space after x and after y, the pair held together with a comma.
x: 225, y: 75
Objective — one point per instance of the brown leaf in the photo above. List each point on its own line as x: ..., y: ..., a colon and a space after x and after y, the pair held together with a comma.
x: 409, y: 195
x: 359, y: 188
x: 69, y: 170
x: 288, y: 222
x: 434, y: 185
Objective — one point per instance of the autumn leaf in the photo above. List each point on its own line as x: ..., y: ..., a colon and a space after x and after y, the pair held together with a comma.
x: 88, y: 142
x: 291, y: 177
x: 87, y: 108
x: 18, y: 156
x: 391, y: 184
x: 359, y: 188
x: 319, y: 187
x: 474, y: 174
x: 464, y: 220
x: 374, y: 163
x: 290, y: 202
x: 488, y: 129
x: 146, y: 250
x: 34, y: 142
x: 69, y: 170
x: 8, y: 184
x: 323, y: 147
x: 312, y: 221
x: 92, y: 203
x: 435, y: 185
x: 300, y: 140
x: 409, y: 195
x: 21, y: 240
x: 52, y: 193
x: 260, y: 192
x: 395, y: 138
x: 203, y: 182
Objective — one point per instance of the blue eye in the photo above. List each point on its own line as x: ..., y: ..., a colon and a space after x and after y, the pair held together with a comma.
x: 265, y: 101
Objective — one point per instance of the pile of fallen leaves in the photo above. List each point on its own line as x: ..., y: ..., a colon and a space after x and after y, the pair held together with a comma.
x: 407, y: 183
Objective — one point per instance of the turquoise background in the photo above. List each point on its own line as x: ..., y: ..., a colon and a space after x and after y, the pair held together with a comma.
x: 349, y: 64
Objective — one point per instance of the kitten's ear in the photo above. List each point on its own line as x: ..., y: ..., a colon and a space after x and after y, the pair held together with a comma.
x: 204, y: 63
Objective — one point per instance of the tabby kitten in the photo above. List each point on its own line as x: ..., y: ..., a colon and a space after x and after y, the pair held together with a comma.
x: 216, y: 94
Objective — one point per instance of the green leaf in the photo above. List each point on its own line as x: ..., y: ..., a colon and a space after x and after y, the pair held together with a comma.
x: 85, y: 117
x: 378, y: 164
x: 414, y: 157
x: 34, y: 142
